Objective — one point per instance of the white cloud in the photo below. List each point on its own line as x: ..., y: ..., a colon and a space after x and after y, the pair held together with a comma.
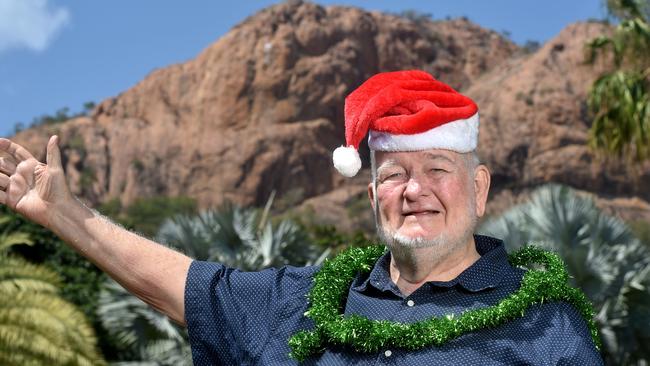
x: 29, y: 24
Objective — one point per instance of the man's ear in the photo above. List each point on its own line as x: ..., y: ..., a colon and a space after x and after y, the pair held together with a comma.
x: 481, y: 187
x: 371, y: 195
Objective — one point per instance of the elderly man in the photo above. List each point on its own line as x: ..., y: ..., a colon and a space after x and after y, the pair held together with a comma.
x: 439, y: 296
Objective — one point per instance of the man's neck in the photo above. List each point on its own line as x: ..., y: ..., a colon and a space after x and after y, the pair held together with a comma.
x: 410, y: 268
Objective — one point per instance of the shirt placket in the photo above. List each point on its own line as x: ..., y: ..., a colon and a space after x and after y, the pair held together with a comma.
x: 404, y: 314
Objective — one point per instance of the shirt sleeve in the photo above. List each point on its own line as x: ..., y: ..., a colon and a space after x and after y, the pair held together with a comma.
x: 230, y: 313
x: 571, y: 330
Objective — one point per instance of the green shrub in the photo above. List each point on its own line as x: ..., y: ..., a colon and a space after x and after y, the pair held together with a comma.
x: 145, y: 215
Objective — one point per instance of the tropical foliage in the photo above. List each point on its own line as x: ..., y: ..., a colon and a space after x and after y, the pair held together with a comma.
x: 37, y: 326
x: 81, y: 279
x: 603, y: 258
x: 140, y: 332
x: 620, y: 100
x: 145, y: 215
x: 245, y: 238
x: 239, y: 237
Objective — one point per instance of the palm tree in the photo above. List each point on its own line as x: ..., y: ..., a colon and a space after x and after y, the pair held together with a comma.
x: 238, y: 237
x: 620, y: 100
x: 37, y: 326
x: 141, y: 332
x: 603, y: 258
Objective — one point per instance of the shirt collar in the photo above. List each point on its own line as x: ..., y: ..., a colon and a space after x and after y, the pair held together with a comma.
x: 485, y: 273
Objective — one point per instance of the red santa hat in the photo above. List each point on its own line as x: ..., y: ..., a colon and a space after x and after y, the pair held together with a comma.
x: 405, y: 111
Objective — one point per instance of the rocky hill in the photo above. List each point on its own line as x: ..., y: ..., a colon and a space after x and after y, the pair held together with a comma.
x: 261, y: 110
x: 536, y: 125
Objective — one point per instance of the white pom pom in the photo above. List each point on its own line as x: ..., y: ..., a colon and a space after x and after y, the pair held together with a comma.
x: 347, y: 160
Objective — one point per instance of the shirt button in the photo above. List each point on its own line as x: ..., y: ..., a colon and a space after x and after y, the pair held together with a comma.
x: 388, y: 353
x: 410, y: 303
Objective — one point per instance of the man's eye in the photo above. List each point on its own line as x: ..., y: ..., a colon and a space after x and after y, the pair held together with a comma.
x: 391, y: 176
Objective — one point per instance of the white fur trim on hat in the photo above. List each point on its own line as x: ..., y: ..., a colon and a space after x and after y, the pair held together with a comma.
x: 460, y: 136
x: 347, y: 160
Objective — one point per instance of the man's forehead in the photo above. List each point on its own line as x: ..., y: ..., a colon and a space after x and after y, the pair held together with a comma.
x: 396, y: 157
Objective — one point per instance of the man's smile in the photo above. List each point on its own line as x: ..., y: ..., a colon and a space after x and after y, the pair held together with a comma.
x: 418, y: 213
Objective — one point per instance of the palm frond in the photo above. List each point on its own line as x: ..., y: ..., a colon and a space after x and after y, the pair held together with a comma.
x: 16, y: 274
x: 150, y: 334
x: 9, y: 239
x: 38, y: 327
x: 42, y: 328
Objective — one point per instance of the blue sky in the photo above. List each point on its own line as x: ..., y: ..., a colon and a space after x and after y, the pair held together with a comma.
x: 56, y: 54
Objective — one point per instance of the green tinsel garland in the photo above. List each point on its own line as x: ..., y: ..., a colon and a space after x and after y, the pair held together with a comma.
x: 332, y: 282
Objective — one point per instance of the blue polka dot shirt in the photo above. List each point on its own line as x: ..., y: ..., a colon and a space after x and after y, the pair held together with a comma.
x: 246, y: 318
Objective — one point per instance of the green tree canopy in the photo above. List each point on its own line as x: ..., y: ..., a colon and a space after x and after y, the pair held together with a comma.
x: 620, y: 100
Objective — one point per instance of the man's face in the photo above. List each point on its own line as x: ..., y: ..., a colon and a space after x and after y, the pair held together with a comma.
x: 426, y: 196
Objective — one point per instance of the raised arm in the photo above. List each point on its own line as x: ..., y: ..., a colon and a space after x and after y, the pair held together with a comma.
x: 38, y: 191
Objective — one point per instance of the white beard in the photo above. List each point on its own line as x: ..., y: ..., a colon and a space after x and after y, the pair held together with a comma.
x: 397, y: 239
x: 444, y: 243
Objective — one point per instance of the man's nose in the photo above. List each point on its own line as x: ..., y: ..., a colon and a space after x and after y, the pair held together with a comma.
x: 413, y: 189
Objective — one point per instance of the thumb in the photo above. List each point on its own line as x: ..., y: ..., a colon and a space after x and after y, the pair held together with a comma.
x: 53, y: 152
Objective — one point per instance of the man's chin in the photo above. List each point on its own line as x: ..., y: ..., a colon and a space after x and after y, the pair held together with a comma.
x: 397, y: 239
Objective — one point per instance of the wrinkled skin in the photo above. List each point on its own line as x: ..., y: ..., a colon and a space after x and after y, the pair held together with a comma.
x: 428, y: 203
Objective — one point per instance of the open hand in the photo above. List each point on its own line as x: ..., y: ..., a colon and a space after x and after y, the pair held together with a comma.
x: 30, y: 187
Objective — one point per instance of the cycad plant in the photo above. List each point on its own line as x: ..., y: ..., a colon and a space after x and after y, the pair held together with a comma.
x: 620, y: 100
x: 143, y: 334
x: 243, y: 238
x: 239, y: 237
x: 603, y: 258
x: 38, y: 327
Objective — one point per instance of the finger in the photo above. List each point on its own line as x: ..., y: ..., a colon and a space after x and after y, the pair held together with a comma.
x: 17, y: 151
x: 4, y: 181
x: 53, y: 152
x: 16, y: 190
x: 25, y: 171
x: 7, y: 166
x: 25, y: 174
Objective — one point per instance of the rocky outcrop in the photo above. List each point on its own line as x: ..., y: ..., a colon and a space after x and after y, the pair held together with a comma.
x: 261, y: 110
x: 535, y: 127
x: 535, y: 122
